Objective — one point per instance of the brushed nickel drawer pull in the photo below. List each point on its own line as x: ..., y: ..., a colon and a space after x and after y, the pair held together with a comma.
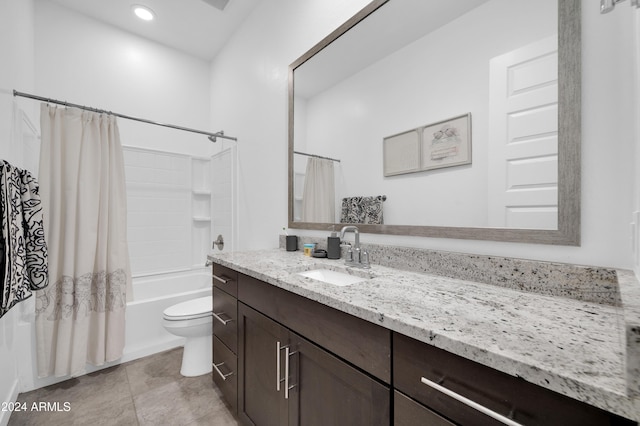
x: 278, y: 362
x: 470, y: 403
x: 287, y: 355
x: 278, y: 366
x: 219, y: 318
x: 220, y: 373
x: 278, y: 379
x: 222, y: 279
x: 286, y: 373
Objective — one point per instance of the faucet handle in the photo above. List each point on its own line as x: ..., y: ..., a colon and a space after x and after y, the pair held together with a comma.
x: 348, y: 259
x: 356, y: 255
x: 364, y: 259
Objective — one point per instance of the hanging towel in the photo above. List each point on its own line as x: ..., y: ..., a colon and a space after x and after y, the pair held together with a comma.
x: 371, y: 208
x: 23, y: 260
x: 351, y: 210
x: 362, y: 210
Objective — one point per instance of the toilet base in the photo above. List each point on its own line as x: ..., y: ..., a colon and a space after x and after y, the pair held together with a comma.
x: 197, y: 356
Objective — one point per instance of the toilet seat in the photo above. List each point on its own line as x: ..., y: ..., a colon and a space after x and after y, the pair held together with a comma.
x: 190, y: 309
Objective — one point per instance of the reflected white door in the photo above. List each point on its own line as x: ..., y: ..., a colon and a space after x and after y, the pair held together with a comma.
x: 523, y: 137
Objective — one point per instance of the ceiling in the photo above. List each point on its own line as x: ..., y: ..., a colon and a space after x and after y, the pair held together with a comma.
x: 197, y: 27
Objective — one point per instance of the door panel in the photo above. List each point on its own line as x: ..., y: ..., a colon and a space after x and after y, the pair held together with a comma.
x: 259, y: 401
x: 327, y: 391
x: 523, y: 138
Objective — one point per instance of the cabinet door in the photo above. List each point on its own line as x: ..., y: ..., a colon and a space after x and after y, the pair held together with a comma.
x: 325, y: 390
x: 261, y: 399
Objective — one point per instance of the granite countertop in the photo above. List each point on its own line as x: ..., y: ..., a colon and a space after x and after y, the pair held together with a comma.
x: 573, y: 347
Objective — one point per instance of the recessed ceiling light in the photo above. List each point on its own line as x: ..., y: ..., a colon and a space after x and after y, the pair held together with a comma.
x: 143, y: 12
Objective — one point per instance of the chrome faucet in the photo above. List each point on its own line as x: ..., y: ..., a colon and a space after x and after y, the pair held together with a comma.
x: 355, y: 256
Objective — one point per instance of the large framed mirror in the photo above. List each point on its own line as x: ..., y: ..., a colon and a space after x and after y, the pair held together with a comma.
x: 387, y: 86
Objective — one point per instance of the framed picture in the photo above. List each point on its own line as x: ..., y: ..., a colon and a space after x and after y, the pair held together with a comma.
x: 443, y: 144
x: 401, y: 153
x: 446, y: 143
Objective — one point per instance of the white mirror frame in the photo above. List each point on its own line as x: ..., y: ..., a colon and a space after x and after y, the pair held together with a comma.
x: 569, y: 140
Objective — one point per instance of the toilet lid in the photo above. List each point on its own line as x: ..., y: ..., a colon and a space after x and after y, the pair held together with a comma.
x: 199, y: 307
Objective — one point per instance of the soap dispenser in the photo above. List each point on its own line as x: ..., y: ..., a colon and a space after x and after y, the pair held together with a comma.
x: 333, y: 246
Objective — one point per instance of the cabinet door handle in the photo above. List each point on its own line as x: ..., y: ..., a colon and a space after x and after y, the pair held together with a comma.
x: 222, y: 279
x: 287, y: 355
x: 220, y: 373
x: 219, y: 318
x: 286, y: 373
x: 278, y: 349
x: 470, y: 403
x: 278, y: 363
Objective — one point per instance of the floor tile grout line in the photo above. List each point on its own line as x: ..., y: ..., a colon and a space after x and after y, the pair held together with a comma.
x: 133, y: 401
x: 132, y: 370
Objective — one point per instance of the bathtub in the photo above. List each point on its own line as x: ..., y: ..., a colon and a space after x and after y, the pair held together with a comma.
x: 144, y: 333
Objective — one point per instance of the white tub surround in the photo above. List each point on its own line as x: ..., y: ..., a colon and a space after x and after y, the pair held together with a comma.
x: 574, y: 347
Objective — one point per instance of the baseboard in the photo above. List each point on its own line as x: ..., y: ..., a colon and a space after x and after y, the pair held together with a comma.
x: 173, y: 342
x: 12, y: 396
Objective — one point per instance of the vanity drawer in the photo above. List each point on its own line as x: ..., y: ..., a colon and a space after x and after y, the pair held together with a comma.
x: 225, y: 279
x: 364, y: 344
x: 225, y: 318
x: 509, y: 396
x: 407, y: 412
x: 225, y: 373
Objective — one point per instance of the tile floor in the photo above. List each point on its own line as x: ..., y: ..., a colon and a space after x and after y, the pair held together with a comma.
x: 147, y: 391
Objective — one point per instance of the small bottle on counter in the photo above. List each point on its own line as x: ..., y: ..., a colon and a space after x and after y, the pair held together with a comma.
x: 309, y: 248
x: 333, y: 246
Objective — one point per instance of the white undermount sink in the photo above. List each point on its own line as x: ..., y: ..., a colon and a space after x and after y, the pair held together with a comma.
x: 332, y: 277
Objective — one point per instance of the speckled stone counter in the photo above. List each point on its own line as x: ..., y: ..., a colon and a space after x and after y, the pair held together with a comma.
x: 574, y: 347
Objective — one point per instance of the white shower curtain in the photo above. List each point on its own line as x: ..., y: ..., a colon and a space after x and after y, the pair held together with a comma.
x: 318, y: 197
x: 80, y: 317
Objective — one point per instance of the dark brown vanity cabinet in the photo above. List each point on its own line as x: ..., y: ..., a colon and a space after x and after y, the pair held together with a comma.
x: 225, y: 333
x: 286, y: 380
x: 418, y: 366
x: 337, y: 374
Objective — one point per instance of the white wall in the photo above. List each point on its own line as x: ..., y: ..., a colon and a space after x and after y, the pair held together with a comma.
x: 249, y: 99
x: 636, y: 191
x: 250, y: 96
x: 348, y: 120
x: 16, y: 72
x: 83, y: 61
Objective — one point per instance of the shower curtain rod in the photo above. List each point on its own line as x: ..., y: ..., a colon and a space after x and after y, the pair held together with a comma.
x: 316, y: 156
x: 212, y: 136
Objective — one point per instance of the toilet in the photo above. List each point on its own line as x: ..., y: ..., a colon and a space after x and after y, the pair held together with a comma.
x: 192, y: 319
